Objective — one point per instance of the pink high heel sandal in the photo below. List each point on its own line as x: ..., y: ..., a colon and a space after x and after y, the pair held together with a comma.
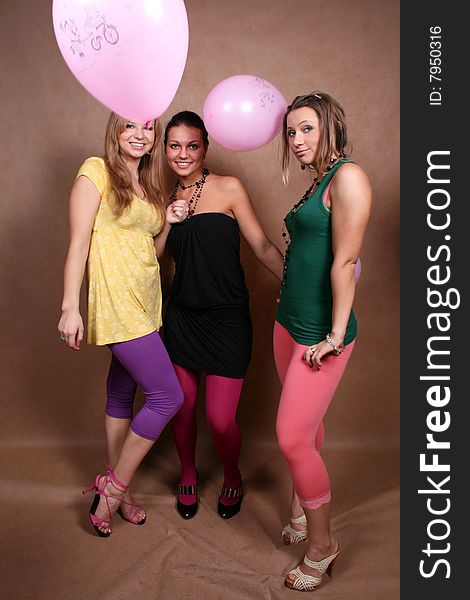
x: 135, y: 508
x: 100, y: 490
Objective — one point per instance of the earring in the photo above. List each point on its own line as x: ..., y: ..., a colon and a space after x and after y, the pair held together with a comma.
x: 302, y: 167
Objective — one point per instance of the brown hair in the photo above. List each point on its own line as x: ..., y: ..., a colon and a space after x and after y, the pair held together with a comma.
x: 150, y: 168
x: 333, y: 131
x: 190, y: 119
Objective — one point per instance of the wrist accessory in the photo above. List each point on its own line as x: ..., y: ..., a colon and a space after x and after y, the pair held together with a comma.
x: 337, y: 349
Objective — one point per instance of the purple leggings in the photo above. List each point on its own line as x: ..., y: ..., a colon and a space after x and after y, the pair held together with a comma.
x: 144, y: 362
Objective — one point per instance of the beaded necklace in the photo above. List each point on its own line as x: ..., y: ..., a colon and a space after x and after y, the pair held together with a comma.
x: 186, y: 187
x: 308, y: 194
x: 198, y: 185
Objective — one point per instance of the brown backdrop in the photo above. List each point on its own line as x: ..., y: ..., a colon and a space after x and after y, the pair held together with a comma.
x: 52, y: 399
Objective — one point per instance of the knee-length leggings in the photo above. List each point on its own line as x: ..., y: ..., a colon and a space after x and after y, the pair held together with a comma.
x: 144, y: 362
x: 306, y: 395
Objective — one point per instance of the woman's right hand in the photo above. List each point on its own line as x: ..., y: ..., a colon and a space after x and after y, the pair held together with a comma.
x: 177, y: 211
x: 71, y: 328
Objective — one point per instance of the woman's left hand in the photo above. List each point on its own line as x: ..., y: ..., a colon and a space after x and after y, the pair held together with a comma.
x: 177, y: 211
x: 314, y: 354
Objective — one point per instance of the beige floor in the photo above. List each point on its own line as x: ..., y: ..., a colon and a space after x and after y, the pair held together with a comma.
x: 50, y: 551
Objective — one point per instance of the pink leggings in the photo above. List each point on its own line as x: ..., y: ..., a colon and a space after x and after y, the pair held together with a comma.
x: 306, y: 395
x: 222, y: 396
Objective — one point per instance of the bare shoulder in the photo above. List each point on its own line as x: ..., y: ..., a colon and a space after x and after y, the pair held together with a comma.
x: 350, y: 185
x: 350, y: 174
x: 228, y: 184
x: 231, y: 189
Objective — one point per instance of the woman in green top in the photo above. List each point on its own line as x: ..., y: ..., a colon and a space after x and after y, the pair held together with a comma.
x: 315, y: 325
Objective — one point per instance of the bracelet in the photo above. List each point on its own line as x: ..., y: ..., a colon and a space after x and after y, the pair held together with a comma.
x: 338, y: 349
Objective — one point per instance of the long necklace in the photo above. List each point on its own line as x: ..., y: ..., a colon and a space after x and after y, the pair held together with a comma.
x: 308, y: 194
x: 198, y: 187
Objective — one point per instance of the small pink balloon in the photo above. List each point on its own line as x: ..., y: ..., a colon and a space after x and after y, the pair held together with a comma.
x: 129, y: 55
x: 244, y: 112
x: 357, y: 270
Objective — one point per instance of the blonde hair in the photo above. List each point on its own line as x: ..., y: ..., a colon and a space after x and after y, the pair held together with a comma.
x: 333, y: 131
x: 150, y: 168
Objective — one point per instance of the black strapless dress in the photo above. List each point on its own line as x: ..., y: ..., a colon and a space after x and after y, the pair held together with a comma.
x: 207, y: 326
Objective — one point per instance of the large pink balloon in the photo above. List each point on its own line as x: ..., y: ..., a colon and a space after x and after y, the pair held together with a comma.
x: 244, y: 112
x: 129, y: 54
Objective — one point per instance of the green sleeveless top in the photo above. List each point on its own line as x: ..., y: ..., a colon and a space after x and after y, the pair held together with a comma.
x: 306, y: 303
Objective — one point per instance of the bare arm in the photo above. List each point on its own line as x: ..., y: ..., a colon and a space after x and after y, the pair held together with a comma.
x: 264, y: 250
x: 84, y: 203
x: 351, y: 197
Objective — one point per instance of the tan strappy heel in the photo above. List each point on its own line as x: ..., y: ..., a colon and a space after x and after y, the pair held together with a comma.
x: 295, y: 536
x: 309, y: 583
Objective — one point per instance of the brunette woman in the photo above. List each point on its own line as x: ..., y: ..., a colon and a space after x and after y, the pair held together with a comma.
x: 207, y: 324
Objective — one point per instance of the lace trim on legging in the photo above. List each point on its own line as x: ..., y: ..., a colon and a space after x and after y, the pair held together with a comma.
x: 316, y: 502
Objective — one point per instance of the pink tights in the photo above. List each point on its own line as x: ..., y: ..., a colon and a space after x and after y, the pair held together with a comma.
x: 306, y: 395
x: 222, y: 396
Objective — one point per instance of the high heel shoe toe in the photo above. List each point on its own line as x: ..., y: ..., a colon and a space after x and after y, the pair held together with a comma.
x: 136, y: 508
x: 309, y: 583
x: 187, y: 511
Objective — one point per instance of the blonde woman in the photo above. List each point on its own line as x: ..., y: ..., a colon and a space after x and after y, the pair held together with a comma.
x: 116, y: 211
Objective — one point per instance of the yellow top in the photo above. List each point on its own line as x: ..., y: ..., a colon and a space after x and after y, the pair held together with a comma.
x: 124, y: 293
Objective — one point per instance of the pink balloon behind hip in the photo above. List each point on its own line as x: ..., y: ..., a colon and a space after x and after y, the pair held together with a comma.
x: 129, y: 55
x: 244, y: 112
x: 357, y: 270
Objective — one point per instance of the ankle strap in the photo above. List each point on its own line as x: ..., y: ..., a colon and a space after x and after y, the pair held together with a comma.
x: 302, y: 520
x: 231, y: 492
x: 321, y: 565
x: 121, y: 487
x: 187, y: 490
